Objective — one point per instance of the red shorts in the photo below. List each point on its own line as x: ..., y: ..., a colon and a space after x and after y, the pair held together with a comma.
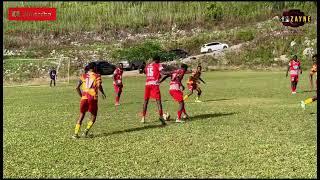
x: 152, y: 91
x: 192, y: 86
x: 177, y: 95
x: 117, y: 88
x: 89, y: 105
x: 294, y: 78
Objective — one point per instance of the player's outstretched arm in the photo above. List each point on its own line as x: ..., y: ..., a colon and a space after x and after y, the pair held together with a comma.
x: 164, y: 78
x: 78, y: 88
x: 202, y: 80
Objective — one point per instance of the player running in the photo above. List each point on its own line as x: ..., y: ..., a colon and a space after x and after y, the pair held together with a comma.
x: 153, y: 72
x: 175, y: 89
x: 294, y: 66
x: 89, y: 83
x: 313, y: 71
x: 117, y: 82
x: 53, y: 76
x: 193, y: 82
x: 308, y: 101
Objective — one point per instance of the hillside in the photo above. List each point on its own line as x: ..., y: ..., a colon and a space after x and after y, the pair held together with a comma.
x: 103, y: 30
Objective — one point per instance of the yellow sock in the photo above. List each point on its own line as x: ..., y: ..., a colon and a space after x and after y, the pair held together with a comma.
x: 185, y: 97
x: 308, y: 101
x: 77, y: 129
x: 89, y: 125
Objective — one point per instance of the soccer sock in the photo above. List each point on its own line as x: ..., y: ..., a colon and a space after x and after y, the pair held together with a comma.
x: 161, y: 113
x: 185, y: 97
x: 117, y: 99
x: 89, y: 125
x: 308, y: 101
x: 77, y: 129
x: 179, y: 114
x: 144, y: 113
x: 197, y: 98
x: 184, y: 110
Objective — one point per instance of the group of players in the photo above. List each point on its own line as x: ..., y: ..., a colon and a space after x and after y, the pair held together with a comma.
x: 294, y: 67
x: 90, y: 82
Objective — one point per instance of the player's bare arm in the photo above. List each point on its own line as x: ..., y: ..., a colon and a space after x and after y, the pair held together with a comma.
x: 164, y: 78
x: 102, y: 91
x: 287, y: 71
x: 78, y: 88
x: 202, y: 80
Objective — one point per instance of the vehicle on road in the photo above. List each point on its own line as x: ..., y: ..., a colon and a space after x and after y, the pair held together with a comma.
x: 131, y: 65
x: 103, y: 67
x: 214, y: 46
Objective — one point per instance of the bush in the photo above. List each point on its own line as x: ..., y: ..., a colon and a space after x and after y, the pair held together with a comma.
x: 141, y: 52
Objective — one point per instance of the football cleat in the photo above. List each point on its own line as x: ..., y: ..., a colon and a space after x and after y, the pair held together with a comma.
x: 85, y: 133
x: 197, y: 100
x: 143, y: 120
x: 75, y: 136
x: 179, y: 121
x: 117, y: 104
x: 162, y: 121
x: 303, y: 105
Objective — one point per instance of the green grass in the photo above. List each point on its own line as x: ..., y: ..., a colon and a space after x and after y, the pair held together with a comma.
x: 249, y: 125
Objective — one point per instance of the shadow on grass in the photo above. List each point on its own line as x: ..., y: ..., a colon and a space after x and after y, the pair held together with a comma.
x: 201, y: 116
x: 223, y: 99
x: 205, y: 116
x: 128, y: 130
x: 304, y: 91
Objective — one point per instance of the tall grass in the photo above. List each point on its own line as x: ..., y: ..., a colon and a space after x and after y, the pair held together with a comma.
x: 103, y: 16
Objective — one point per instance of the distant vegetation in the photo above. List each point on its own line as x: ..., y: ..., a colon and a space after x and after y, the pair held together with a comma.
x: 155, y: 16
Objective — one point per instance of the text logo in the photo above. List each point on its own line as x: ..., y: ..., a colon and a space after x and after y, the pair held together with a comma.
x: 32, y: 14
x: 294, y: 18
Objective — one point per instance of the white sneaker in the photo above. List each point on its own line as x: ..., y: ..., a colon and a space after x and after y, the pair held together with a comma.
x: 143, y: 120
x: 179, y: 121
x: 117, y: 104
x: 294, y: 92
x: 303, y: 105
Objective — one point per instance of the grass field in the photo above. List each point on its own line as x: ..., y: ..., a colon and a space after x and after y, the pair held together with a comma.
x: 249, y: 125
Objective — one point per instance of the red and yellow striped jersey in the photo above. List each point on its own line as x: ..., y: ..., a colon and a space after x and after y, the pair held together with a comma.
x: 90, y: 83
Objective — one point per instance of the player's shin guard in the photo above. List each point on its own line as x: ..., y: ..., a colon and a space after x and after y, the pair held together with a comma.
x: 308, y: 101
x: 77, y: 129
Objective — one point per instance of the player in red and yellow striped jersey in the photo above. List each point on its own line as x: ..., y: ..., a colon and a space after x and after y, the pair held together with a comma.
x: 87, y: 89
x: 313, y: 71
x: 193, y: 84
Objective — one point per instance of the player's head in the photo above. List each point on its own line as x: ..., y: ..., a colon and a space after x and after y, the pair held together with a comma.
x: 184, y: 67
x: 120, y: 65
x: 199, y: 67
x: 295, y: 57
x: 92, y: 66
x: 156, y: 58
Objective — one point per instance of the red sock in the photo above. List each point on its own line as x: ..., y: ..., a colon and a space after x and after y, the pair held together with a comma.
x: 117, y: 99
x: 292, y: 89
x: 179, y: 114
x: 161, y: 113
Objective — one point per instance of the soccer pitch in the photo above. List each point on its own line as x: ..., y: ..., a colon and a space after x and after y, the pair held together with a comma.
x: 248, y: 125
